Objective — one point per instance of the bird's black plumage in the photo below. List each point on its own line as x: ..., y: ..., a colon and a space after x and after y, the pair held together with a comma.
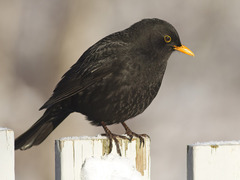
x: 114, y: 80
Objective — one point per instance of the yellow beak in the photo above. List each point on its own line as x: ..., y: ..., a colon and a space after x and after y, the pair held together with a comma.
x: 184, y: 50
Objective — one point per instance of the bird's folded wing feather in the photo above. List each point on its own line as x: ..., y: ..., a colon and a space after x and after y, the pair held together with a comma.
x: 92, y: 67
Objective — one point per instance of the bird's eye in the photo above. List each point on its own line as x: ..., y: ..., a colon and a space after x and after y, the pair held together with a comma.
x: 167, y: 38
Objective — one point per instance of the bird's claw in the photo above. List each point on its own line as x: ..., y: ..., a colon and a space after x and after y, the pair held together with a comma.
x: 140, y: 136
x: 114, y: 137
x: 131, y: 134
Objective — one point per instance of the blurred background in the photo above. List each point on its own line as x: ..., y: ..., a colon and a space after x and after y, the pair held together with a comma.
x: 198, y: 100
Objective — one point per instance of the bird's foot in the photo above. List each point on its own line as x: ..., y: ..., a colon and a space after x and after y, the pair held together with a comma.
x: 132, y: 134
x: 140, y: 136
x: 112, y: 137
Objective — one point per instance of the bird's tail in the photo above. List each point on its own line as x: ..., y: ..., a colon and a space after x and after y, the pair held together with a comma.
x: 41, y: 129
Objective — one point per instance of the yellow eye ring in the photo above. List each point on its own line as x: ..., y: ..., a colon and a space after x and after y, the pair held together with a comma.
x: 167, y: 38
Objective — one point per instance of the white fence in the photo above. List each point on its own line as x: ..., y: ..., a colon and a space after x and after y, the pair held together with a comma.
x: 82, y: 158
x: 214, y: 161
x: 6, y: 154
x: 78, y: 158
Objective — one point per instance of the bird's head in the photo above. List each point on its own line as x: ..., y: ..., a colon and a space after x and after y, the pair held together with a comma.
x: 160, y: 36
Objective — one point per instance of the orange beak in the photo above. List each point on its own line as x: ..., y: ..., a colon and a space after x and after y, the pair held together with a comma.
x: 184, y: 50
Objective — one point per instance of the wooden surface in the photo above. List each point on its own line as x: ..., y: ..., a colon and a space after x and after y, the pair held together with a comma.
x: 214, y: 161
x: 71, y: 154
x: 6, y: 154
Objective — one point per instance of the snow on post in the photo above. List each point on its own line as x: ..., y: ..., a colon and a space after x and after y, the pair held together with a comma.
x: 85, y: 158
x: 6, y: 154
x: 214, y: 161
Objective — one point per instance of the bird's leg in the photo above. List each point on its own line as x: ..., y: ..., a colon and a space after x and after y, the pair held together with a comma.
x: 111, y: 137
x: 131, y: 134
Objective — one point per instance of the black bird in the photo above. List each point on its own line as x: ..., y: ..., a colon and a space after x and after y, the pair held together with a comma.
x: 114, y: 80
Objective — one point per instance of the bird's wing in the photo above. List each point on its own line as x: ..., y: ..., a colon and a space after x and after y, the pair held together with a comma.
x: 95, y: 64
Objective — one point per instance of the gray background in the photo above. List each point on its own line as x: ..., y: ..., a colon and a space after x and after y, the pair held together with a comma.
x: 198, y: 100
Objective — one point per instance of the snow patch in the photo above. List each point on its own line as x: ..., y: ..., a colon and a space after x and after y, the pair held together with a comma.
x: 109, y: 167
x: 4, y: 129
x: 98, y: 137
x: 212, y: 143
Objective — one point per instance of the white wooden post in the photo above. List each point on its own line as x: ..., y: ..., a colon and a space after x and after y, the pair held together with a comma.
x: 71, y: 154
x: 214, y: 161
x: 6, y: 154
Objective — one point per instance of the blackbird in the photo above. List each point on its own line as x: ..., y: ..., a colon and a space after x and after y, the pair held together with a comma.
x: 113, y: 81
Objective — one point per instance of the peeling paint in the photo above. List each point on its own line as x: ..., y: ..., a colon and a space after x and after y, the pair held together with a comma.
x: 105, y: 146
x: 73, y: 153
x: 214, y: 146
x: 140, y: 157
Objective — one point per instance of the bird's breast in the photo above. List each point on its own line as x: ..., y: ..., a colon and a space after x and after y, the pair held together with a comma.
x: 121, y: 95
